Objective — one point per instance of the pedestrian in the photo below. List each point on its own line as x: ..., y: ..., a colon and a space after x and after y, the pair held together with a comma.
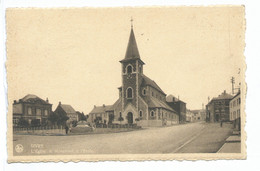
x: 66, y: 129
x: 221, y: 122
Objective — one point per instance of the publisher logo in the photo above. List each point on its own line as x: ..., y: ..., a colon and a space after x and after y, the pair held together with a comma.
x: 19, y: 148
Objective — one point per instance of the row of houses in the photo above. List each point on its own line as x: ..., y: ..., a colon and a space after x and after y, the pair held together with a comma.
x: 195, y: 115
x: 225, y: 107
x: 32, y: 107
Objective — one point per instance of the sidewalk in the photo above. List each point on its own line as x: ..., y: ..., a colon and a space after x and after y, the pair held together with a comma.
x: 232, y: 144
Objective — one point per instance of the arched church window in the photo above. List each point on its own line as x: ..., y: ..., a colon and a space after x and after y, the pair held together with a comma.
x: 144, y: 91
x: 140, y: 113
x: 129, y: 69
x: 152, y: 113
x: 129, y: 92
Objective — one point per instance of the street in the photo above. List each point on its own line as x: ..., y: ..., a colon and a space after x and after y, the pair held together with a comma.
x: 184, y: 138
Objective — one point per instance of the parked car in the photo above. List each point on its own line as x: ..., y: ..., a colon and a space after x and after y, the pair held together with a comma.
x: 82, y: 127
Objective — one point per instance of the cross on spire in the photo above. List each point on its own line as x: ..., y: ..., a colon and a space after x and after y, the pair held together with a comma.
x: 131, y: 22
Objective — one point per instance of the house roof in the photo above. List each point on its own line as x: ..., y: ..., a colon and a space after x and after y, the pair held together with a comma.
x: 195, y: 111
x: 147, y: 81
x: 101, y: 109
x: 154, y: 102
x: 31, y: 98
x: 223, y: 96
x: 172, y: 98
x: 238, y: 93
x: 67, y: 108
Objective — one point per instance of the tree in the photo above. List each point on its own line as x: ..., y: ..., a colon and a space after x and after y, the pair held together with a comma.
x: 53, y: 118
x: 120, y: 119
x: 58, y: 118
x: 35, y: 123
x: 111, y: 118
x: 74, y: 123
x: 23, y: 123
x: 82, y: 117
x: 98, y: 120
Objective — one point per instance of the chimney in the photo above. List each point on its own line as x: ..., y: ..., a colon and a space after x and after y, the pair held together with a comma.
x: 224, y: 91
x: 47, y: 100
x: 104, y: 105
x: 59, y: 103
x: 94, y: 106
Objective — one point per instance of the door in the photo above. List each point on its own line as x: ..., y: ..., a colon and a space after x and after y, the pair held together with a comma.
x: 130, y: 117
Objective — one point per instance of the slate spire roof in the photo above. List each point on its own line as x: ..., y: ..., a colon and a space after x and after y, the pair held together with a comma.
x: 132, y: 49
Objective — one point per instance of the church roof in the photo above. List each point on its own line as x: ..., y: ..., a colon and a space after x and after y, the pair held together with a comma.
x: 154, y: 102
x: 67, y: 108
x: 147, y: 81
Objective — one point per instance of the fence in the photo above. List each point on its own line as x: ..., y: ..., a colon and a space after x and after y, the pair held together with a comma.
x: 48, y: 130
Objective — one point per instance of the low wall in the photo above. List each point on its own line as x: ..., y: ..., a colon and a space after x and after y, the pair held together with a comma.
x: 150, y: 123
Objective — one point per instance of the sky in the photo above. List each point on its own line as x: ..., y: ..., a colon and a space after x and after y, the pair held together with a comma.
x: 72, y: 55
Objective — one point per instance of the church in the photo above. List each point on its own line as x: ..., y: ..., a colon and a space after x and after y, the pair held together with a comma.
x: 141, y: 101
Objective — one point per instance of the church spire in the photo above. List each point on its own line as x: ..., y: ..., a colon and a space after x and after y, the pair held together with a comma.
x: 132, y: 50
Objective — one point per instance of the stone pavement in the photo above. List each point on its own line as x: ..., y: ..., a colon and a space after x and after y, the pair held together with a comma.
x: 232, y: 144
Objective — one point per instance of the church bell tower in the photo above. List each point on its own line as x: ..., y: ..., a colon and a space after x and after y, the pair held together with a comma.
x: 132, y: 68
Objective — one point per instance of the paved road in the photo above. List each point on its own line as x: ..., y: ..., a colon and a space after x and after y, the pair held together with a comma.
x: 193, y: 137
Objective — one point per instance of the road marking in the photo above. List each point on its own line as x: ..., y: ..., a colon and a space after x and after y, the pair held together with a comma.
x: 190, y: 140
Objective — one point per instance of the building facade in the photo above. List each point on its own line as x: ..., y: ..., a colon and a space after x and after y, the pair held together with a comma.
x: 179, y: 106
x: 31, y: 108
x: 101, y: 114
x: 141, y: 101
x: 235, y: 106
x: 68, y: 111
x: 190, y: 117
x: 218, y: 108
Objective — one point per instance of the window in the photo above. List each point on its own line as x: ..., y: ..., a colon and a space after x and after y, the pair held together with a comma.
x: 238, y: 113
x: 144, y: 91
x: 38, y: 111
x: 129, y: 69
x: 129, y: 92
x: 152, y: 113
x: 140, y: 113
x: 45, y: 112
x: 29, y: 111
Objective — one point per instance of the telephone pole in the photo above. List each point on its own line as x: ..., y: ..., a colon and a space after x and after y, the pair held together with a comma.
x: 232, y: 82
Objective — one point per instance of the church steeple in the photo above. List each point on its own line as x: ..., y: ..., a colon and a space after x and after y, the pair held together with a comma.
x: 132, y: 49
x: 132, y: 52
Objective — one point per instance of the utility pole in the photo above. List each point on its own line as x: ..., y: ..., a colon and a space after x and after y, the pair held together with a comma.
x: 232, y: 82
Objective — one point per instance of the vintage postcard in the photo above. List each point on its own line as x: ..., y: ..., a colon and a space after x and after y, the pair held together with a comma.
x: 147, y: 83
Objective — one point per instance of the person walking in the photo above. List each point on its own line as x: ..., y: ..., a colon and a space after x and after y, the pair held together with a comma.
x: 66, y: 129
x: 221, y: 123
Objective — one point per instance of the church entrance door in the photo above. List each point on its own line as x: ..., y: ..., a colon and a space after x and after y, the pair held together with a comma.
x: 130, y: 117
